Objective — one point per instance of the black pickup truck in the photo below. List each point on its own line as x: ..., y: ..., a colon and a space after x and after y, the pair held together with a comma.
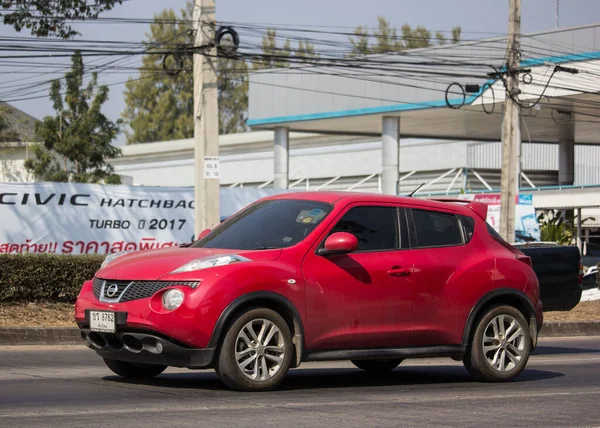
x: 559, y: 272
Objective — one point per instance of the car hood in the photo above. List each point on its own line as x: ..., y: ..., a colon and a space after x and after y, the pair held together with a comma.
x: 152, y: 265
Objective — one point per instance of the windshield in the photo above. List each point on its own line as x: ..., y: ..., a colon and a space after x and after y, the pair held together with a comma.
x: 277, y: 223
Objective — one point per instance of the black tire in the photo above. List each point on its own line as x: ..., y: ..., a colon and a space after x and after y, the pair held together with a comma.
x: 377, y: 365
x: 227, y: 367
x: 476, y: 360
x: 134, y: 370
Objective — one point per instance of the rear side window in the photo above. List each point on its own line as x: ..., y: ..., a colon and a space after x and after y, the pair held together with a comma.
x: 468, y: 227
x: 436, y: 229
x: 376, y: 228
x: 493, y: 232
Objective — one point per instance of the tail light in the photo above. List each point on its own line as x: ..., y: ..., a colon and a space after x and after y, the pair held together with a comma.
x: 580, y: 273
x: 525, y: 259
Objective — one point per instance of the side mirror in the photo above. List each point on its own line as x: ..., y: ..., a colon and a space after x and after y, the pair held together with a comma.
x: 339, y: 243
x: 203, y: 234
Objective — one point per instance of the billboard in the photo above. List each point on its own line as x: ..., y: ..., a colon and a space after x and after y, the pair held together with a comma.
x: 69, y: 218
x: 526, y: 224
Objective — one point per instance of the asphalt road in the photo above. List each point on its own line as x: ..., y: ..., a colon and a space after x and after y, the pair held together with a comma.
x: 70, y: 387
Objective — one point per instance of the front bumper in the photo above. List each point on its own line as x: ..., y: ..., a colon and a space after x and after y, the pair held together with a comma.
x: 147, y: 333
x: 190, y: 325
x: 148, y: 348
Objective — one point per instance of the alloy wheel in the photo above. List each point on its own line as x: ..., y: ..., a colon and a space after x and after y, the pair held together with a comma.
x: 503, y: 343
x: 260, y: 350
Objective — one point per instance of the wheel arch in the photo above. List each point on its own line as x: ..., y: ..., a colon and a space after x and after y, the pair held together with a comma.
x: 501, y: 296
x: 263, y: 299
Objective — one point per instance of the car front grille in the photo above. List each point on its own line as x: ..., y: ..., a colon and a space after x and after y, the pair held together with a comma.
x: 119, y: 291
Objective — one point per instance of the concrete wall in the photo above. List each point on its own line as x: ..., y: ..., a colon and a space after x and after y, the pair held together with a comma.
x: 359, y: 158
x: 12, y: 164
x: 248, y: 159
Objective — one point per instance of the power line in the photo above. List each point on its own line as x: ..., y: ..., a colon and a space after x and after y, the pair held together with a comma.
x: 422, y: 67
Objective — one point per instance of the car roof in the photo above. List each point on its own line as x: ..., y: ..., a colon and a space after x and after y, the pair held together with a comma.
x: 356, y: 197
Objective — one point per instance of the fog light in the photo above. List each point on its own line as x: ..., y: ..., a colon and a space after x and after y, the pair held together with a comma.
x: 172, y: 299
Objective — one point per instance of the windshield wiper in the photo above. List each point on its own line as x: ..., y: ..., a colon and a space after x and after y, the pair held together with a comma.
x: 262, y: 246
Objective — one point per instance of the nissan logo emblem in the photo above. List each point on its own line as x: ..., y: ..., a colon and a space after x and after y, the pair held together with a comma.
x: 112, y: 290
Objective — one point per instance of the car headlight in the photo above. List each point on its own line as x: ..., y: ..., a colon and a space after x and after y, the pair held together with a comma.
x: 172, y: 299
x: 112, y: 257
x: 211, y: 261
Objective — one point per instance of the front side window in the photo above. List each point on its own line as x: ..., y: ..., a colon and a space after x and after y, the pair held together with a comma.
x: 270, y: 224
x: 376, y: 228
x: 436, y: 229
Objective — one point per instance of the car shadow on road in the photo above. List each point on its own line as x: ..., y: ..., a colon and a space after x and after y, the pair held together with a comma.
x: 402, y: 376
x: 310, y: 379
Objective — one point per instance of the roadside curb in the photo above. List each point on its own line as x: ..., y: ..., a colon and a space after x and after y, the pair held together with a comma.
x: 17, y: 336
x: 570, y: 328
x: 54, y: 336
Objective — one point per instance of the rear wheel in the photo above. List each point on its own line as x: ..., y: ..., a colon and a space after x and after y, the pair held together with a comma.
x: 134, y: 370
x: 256, y: 352
x: 377, y: 365
x: 500, y: 346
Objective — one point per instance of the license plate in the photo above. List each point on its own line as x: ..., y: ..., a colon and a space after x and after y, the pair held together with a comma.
x: 103, y: 322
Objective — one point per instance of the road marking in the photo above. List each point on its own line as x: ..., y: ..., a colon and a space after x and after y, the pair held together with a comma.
x: 418, y: 398
x: 534, y: 359
x: 69, y: 373
x: 563, y: 360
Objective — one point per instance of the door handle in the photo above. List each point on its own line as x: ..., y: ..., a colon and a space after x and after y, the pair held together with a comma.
x: 398, y: 271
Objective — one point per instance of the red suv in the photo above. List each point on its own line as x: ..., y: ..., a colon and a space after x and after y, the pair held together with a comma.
x: 319, y: 276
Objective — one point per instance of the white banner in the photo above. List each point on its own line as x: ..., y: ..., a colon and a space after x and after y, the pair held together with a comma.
x: 65, y: 218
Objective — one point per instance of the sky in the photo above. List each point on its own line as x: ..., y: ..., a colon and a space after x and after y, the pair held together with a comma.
x: 478, y: 19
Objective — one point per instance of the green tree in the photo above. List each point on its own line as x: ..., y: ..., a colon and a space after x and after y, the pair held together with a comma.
x: 274, y: 56
x: 51, y: 18
x: 385, y: 39
x: 415, y: 38
x: 456, y: 32
x: 440, y: 38
x: 233, y: 85
x: 7, y: 134
x: 360, y: 42
x: 77, y: 140
x: 159, y: 106
x: 454, y: 36
x: 304, y: 51
x: 553, y: 228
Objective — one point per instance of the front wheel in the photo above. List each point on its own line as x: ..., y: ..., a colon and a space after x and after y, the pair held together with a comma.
x: 377, y: 365
x: 500, y: 346
x: 256, y: 352
x: 134, y: 370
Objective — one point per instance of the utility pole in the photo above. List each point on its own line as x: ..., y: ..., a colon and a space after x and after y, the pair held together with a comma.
x: 511, y: 126
x: 556, y: 13
x: 206, y: 118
